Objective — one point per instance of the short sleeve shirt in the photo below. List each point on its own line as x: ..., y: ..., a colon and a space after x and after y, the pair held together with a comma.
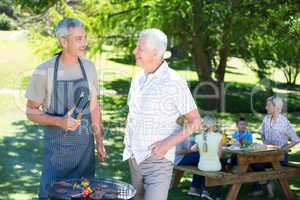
x: 41, y: 83
x: 155, y: 102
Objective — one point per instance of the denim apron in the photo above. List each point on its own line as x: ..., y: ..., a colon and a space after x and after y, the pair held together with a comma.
x: 67, y: 154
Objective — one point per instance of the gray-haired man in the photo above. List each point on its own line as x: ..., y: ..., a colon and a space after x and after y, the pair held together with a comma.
x: 60, y: 87
x: 157, y: 97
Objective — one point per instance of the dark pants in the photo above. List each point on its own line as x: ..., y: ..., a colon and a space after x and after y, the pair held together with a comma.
x: 262, y: 166
x: 198, y: 181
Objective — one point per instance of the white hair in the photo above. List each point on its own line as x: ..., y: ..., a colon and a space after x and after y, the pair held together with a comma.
x: 209, y: 122
x: 156, y: 39
x: 63, y: 27
x: 276, y: 101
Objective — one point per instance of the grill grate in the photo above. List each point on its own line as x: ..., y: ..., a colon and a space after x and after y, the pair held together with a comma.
x: 100, y: 189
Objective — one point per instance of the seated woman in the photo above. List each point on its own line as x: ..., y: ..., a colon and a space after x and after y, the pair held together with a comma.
x: 209, y: 146
x: 276, y: 130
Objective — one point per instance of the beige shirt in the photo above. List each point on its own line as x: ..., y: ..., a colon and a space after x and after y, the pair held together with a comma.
x: 41, y: 83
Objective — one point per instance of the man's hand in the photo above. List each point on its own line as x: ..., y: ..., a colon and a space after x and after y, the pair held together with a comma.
x: 69, y: 123
x: 101, y: 151
x: 194, y: 148
x: 159, y: 149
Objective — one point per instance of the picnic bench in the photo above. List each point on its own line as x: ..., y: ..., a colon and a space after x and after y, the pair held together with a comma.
x: 242, y: 175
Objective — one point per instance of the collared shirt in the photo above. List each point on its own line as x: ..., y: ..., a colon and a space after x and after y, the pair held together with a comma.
x: 246, y: 136
x: 155, y: 101
x: 279, y: 133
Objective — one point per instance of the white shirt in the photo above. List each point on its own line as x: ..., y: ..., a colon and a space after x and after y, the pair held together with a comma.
x: 209, y: 161
x: 155, y: 102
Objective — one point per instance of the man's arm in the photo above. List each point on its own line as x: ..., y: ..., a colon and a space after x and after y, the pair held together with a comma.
x: 96, y: 126
x: 34, y: 114
x: 159, y: 149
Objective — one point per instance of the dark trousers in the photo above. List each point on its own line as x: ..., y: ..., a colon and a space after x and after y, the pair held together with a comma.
x: 198, y: 181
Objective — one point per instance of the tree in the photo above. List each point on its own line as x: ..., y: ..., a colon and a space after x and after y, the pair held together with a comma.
x: 275, y: 43
x: 208, y: 31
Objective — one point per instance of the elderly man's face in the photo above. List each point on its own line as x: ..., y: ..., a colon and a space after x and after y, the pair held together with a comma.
x: 76, y: 42
x: 143, y: 53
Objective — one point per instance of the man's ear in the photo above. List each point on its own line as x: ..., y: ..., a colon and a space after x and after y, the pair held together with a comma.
x: 63, y: 42
x: 156, y: 53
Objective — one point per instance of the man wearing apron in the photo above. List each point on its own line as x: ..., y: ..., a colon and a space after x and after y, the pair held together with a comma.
x: 60, y: 87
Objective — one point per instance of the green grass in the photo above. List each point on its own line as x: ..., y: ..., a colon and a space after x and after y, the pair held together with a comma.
x: 17, y: 59
x: 21, y: 141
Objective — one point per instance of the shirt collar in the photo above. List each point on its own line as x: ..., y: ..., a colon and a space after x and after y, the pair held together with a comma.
x: 159, y: 72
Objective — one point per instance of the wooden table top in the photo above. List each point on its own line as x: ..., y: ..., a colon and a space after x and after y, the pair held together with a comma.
x: 267, y: 150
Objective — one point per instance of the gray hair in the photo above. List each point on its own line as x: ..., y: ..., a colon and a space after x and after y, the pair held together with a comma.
x: 156, y: 39
x: 62, y: 29
x: 209, y: 122
x: 276, y: 101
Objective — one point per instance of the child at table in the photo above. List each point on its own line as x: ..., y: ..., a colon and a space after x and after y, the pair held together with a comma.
x: 209, y: 146
x: 242, y: 135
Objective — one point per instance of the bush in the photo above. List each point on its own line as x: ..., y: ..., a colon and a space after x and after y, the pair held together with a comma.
x: 6, y: 23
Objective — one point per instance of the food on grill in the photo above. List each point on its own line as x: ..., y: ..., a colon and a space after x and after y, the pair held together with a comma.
x: 91, y: 189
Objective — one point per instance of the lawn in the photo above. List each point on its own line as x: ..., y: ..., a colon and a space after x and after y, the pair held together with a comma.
x: 21, y: 141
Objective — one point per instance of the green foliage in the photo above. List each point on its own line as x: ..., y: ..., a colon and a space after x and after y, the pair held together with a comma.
x: 36, y: 6
x: 275, y: 42
x: 203, y: 32
x: 6, y: 23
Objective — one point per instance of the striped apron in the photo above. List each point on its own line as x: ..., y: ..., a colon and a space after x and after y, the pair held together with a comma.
x: 67, y: 154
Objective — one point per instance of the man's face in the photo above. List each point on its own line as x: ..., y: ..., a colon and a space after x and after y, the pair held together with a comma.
x: 76, y: 41
x: 143, y: 53
x: 241, y: 125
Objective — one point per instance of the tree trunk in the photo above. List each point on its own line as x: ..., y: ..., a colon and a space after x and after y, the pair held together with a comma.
x: 224, y: 51
x: 200, y: 56
x: 211, y: 91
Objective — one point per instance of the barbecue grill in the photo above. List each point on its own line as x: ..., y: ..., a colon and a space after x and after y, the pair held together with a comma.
x: 97, y: 189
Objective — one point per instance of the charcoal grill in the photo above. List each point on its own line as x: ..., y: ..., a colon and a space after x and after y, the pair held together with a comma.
x: 103, y: 189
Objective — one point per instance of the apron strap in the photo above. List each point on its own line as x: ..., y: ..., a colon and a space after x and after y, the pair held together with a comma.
x: 56, y: 65
x: 55, y: 101
x: 82, y: 69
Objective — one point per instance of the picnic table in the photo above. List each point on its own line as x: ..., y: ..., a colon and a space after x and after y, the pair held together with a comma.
x: 245, y: 157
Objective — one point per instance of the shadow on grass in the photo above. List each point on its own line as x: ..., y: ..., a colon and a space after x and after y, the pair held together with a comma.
x: 121, y: 86
x: 127, y: 60
x: 249, y: 98
x: 21, y: 157
x: 21, y: 160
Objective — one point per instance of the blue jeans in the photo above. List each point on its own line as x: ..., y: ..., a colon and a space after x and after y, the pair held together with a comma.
x: 198, y: 181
